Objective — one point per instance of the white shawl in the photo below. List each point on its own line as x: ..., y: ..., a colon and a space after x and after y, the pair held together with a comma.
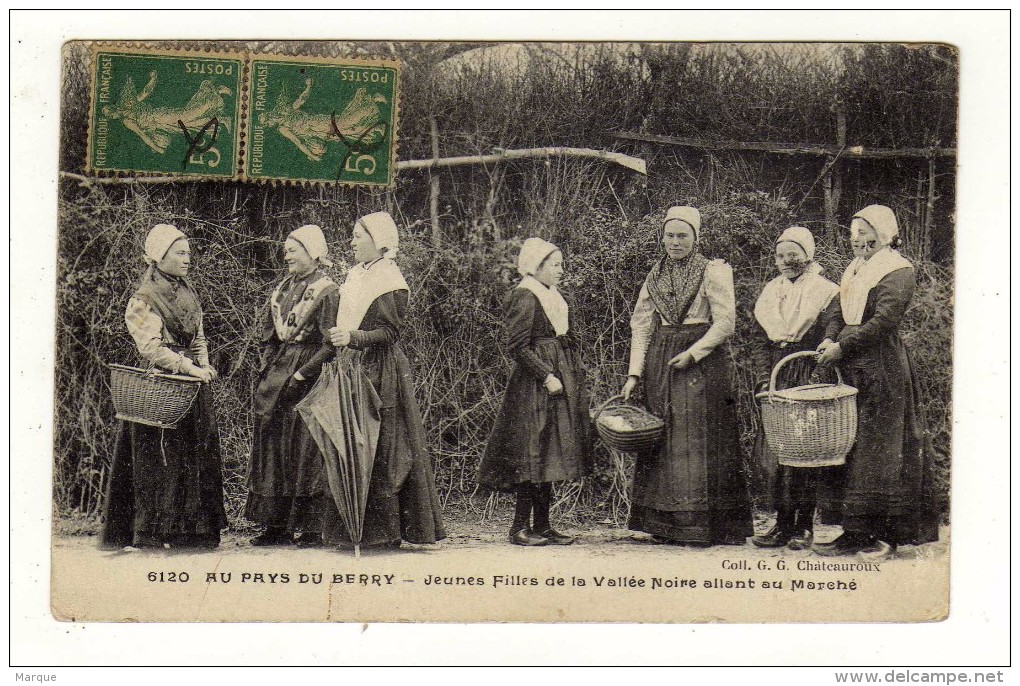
x: 863, y: 275
x: 365, y: 283
x: 787, y: 309
x: 553, y: 304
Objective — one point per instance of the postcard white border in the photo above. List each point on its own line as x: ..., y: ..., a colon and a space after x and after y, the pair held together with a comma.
x: 977, y: 631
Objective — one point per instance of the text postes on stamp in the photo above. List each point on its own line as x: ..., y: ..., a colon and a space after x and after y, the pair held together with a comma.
x: 165, y: 112
x: 322, y: 120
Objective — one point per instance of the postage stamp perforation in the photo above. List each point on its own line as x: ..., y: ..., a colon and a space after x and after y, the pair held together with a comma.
x: 171, y: 48
x: 242, y: 129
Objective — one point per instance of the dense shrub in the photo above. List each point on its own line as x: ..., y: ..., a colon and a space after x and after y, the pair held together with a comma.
x: 606, y: 220
x: 454, y: 331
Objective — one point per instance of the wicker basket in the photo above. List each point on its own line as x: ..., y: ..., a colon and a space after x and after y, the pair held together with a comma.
x: 148, y: 397
x: 809, y: 426
x: 628, y: 440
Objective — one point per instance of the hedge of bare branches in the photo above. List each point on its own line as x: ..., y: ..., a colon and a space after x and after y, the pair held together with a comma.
x: 604, y: 218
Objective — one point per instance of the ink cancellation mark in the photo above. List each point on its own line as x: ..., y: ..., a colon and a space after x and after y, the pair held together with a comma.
x: 322, y: 120
x: 165, y: 112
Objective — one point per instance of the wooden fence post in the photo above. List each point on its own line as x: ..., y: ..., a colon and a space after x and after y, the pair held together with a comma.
x: 437, y: 232
x: 929, y: 215
x: 833, y: 183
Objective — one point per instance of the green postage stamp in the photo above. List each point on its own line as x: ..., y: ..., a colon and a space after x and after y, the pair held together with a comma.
x: 165, y: 112
x: 322, y: 120
x: 243, y: 116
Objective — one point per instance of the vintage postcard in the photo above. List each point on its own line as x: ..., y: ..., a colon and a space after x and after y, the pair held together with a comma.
x: 620, y: 332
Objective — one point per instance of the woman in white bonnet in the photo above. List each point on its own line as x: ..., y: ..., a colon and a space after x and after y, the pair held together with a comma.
x: 692, y: 489
x: 286, y: 475
x: 402, y: 501
x: 791, y: 317
x: 888, y: 494
x: 541, y: 434
x: 166, y: 485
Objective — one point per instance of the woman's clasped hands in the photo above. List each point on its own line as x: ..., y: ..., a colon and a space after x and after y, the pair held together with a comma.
x: 553, y: 385
x: 205, y: 373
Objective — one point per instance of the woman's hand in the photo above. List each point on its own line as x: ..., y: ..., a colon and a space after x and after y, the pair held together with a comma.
x: 825, y: 344
x: 205, y: 374
x: 682, y: 361
x: 212, y: 371
x: 628, y: 388
x: 832, y: 354
x: 339, y: 337
x: 553, y: 385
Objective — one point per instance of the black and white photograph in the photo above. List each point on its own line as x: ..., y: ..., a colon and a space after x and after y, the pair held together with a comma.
x: 517, y: 330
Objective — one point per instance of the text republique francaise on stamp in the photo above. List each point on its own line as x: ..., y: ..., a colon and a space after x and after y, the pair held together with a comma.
x: 243, y: 116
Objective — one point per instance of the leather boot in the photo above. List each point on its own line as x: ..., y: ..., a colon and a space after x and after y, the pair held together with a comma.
x: 803, y: 531
x: 776, y: 537
x: 555, y: 537
x: 779, y: 535
x: 848, y: 543
x: 527, y: 537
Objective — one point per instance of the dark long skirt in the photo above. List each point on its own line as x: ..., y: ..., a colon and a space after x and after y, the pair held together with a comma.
x: 887, y: 485
x: 693, y: 488
x: 402, y: 499
x: 166, y: 485
x: 286, y: 479
x: 539, y: 438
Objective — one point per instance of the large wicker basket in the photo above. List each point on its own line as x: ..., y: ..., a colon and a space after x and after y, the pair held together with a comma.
x: 153, y: 398
x: 809, y: 426
x: 644, y: 432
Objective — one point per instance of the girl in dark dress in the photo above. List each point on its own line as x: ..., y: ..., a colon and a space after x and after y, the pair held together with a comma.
x: 691, y: 489
x: 166, y: 485
x: 541, y: 434
x: 402, y: 501
x: 888, y: 487
x: 791, y: 317
x: 286, y: 477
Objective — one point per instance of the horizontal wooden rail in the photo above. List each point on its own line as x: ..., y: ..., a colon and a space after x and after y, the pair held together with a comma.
x: 630, y: 162
x: 850, y: 151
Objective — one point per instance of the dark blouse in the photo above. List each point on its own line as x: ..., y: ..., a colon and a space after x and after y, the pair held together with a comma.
x: 526, y: 322
x: 886, y: 305
x: 379, y: 339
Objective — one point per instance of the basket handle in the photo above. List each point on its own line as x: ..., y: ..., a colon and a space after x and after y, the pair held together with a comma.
x: 606, y: 404
x: 794, y: 356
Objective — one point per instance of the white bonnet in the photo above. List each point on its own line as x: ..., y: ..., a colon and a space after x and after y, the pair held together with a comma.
x: 313, y: 241
x: 383, y: 230
x: 800, y: 236
x: 533, y: 253
x: 159, y: 240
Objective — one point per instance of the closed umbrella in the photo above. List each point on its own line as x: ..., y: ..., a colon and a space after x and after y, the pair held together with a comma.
x: 343, y: 415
